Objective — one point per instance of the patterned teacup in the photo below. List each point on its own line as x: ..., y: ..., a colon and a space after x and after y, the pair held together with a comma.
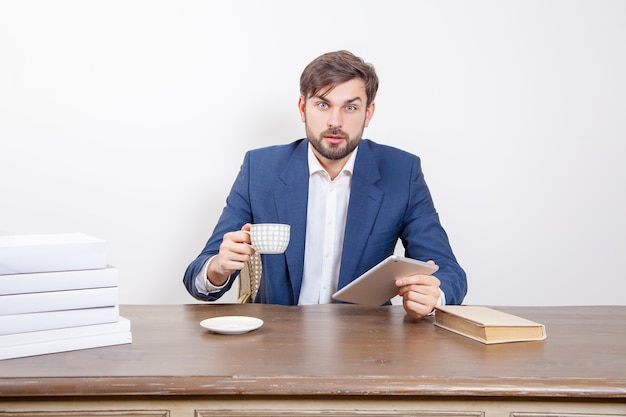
x: 269, y: 238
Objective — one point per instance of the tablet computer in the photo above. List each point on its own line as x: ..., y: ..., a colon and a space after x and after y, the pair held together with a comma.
x: 377, y: 286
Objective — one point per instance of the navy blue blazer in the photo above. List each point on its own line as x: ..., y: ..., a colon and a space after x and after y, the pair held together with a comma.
x: 389, y: 199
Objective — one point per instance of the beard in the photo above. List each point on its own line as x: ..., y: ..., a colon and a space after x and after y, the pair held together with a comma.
x: 334, y: 151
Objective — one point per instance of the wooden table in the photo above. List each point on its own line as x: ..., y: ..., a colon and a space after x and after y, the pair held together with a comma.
x: 328, y: 360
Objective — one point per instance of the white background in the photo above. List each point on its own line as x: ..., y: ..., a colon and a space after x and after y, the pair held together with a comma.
x: 128, y: 120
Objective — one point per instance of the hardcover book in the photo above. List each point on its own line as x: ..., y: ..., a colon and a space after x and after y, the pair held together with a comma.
x: 58, y: 300
x: 58, y: 281
x: 20, y: 254
x: 32, y: 322
x: 488, y: 325
x: 63, y: 340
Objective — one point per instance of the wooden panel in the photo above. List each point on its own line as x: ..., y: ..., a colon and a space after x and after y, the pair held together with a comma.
x: 561, y: 414
x: 333, y: 413
x: 285, y: 406
x: 71, y: 412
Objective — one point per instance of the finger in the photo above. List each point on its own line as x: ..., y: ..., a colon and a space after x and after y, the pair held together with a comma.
x: 230, y: 266
x: 425, y: 290
x: 418, y: 280
x: 416, y: 309
x: 418, y: 305
x: 234, y: 238
x: 430, y: 291
x: 420, y: 294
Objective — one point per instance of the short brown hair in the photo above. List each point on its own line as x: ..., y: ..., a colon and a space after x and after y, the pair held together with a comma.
x: 334, y: 68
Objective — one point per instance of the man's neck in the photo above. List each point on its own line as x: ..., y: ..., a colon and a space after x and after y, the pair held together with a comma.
x: 332, y: 166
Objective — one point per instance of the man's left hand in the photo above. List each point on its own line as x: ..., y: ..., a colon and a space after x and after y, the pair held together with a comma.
x: 420, y: 294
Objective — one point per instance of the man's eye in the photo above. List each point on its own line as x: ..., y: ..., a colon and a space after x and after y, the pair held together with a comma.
x: 351, y: 108
x: 322, y: 106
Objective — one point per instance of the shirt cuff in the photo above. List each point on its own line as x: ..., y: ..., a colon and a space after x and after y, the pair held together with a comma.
x: 442, y: 298
x: 203, y: 285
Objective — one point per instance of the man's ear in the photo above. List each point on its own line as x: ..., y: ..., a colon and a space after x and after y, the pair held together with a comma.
x: 302, y: 107
x: 369, y: 113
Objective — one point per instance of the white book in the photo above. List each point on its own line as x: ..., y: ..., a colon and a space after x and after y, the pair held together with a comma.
x: 58, y: 300
x: 21, y: 254
x: 58, y: 281
x: 32, y: 322
x: 119, y: 325
x: 63, y: 340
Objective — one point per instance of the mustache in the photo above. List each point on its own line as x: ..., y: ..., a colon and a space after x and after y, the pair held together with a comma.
x: 335, y: 132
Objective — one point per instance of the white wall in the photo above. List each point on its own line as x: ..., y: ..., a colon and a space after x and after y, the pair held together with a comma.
x: 128, y: 120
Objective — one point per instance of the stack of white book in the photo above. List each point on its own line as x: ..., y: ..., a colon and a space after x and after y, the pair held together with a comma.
x: 57, y: 294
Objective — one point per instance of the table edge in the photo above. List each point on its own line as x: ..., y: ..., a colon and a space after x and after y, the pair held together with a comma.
x: 292, y: 386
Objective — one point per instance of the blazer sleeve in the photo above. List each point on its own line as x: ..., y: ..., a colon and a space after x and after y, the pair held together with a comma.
x: 235, y: 214
x: 424, y: 238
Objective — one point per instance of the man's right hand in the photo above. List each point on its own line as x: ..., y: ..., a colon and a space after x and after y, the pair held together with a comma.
x: 235, y: 251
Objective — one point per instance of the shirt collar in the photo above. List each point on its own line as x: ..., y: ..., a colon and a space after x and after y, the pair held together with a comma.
x: 315, y: 165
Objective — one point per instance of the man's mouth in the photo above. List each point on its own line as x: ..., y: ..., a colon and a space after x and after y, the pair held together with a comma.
x: 334, y: 137
x: 334, y: 140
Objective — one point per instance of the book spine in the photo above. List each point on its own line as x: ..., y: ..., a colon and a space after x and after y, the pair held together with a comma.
x: 65, y: 345
x: 58, y: 281
x: 58, y: 300
x: 32, y: 322
x: 122, y: 324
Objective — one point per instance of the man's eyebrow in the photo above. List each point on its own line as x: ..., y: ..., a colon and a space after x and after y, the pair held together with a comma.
x: 349, y: 101
x: 353, y: 100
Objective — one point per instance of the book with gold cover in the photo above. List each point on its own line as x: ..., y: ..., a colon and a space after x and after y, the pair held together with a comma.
x: 488, y: 325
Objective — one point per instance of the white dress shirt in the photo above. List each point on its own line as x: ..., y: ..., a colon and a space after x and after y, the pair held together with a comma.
x: 327, y: 211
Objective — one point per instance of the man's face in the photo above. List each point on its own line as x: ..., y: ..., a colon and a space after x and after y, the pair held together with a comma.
x: 335, y: 122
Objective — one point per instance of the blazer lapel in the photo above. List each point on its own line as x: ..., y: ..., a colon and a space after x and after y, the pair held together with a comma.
x: 291, y: 204
x: 365, y: 201
x: 291, y: 197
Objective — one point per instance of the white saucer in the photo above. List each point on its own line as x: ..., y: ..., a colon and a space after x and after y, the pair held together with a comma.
x: 232, y: 324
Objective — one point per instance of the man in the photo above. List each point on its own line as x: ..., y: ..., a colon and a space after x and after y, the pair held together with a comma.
x: 348, y: 201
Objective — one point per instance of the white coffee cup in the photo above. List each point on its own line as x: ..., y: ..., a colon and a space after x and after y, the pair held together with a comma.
x: 269, y: 238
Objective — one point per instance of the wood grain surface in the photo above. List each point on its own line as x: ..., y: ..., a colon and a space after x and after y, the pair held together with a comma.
x: 335, y: 349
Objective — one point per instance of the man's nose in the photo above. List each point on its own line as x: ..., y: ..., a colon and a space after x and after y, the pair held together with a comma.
x: 335, y: 118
